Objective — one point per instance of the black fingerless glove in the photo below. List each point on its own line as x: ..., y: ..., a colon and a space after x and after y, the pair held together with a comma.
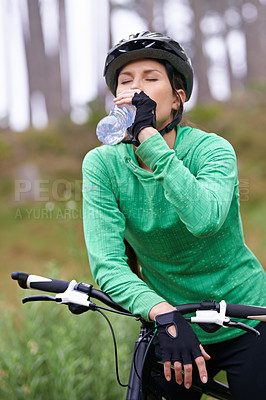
x: 145, y: 116
x: 185, y: 346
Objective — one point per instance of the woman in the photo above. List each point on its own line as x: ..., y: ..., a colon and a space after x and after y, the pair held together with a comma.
x: 172, y: 193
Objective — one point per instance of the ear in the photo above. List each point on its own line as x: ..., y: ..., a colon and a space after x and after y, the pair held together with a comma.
x: 176, y: 100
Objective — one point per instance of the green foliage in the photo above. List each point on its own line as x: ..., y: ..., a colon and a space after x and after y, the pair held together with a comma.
x: 46, y: 140
x: 205, y: 112
x: 97, y: 112
x: 5, y: 150
x: 6, y: 186
x: 47, y: 353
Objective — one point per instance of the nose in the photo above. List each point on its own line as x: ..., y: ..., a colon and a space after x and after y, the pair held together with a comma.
x: 136, y: 83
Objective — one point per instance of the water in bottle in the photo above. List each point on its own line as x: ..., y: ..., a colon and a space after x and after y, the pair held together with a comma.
x: 112, y: 129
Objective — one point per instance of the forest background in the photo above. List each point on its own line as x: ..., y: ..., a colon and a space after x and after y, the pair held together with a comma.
x: 47, y: 125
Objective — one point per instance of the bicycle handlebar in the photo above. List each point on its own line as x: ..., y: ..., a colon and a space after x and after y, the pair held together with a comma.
x: 58, y: 286
x: 232, y: 310
x: 30, y: 281
x: 244, y: 311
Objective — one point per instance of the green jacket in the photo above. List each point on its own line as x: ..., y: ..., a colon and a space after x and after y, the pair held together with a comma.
x: 182, y: 220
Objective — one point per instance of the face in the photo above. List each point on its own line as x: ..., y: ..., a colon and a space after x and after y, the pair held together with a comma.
x: 149, y: 76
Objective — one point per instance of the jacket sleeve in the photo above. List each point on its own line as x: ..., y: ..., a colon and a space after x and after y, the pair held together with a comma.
x: 104, y: 228
x: 202, y: 200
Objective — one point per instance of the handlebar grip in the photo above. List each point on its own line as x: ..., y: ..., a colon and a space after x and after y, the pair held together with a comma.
x: 244, y: 311
x: 27, y: 281
x: 21, y: 277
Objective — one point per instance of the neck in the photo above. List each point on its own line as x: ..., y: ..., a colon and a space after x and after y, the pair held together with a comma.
x: 170, y: 138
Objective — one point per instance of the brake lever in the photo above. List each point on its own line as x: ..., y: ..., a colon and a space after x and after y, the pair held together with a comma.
x: 43, y: 297
x: 70, y: 296
x: 244, y: 327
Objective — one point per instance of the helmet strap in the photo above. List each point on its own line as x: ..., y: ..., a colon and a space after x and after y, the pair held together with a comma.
x: 176, y: 120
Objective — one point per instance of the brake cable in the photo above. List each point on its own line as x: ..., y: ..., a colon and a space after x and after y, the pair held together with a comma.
x: 115, y: 347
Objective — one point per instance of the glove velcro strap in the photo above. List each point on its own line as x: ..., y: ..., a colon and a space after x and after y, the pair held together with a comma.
x: 167, y: 318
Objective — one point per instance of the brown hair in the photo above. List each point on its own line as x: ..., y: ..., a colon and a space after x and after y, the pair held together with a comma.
x: 132, y: 260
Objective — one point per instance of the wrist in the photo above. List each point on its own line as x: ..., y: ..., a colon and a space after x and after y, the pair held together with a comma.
x: 160, y: 308
x: 145, y: 133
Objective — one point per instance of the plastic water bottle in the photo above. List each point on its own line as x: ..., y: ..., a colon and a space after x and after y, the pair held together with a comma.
x: 112, y: 129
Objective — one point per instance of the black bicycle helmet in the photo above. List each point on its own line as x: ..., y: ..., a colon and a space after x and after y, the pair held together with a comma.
x: 148, y: 45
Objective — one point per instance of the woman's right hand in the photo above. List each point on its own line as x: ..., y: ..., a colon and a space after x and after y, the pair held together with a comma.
x: 125, y: 97
x: 145, y: 113
x: 179, y: 345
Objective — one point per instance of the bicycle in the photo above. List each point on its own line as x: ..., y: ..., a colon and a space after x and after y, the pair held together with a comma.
x: 146, y: 380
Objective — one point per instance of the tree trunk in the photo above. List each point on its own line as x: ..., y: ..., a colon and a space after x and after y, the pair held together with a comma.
x: 53, y: 95
x: 35, y: 53
x: 44, y: 72
x: 104, y: 42
x: 159, y: 22
x: 255, y: 44
x: 200, y: 60
x: 147, y: 11
x: 64, y: 61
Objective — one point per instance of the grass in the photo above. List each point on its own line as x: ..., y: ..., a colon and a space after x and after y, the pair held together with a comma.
x: 33, y: 238
x: 53, y: 354
x: 57, y: 355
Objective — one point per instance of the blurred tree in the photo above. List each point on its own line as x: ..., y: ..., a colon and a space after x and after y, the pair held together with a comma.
x: 44, y: 70
x: 35, y: 53
x: 233, y: 24
x: 64, y: 64
x: 248, y: 18
x: 53, y: 92
x: 254, y: 26
x: 159, y: 21
x: 151, y: 11
x: 221, y: 7
x: 48, y: 71
x: 146, y: 8
x: 200, y: 58
x: 103, y: 41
